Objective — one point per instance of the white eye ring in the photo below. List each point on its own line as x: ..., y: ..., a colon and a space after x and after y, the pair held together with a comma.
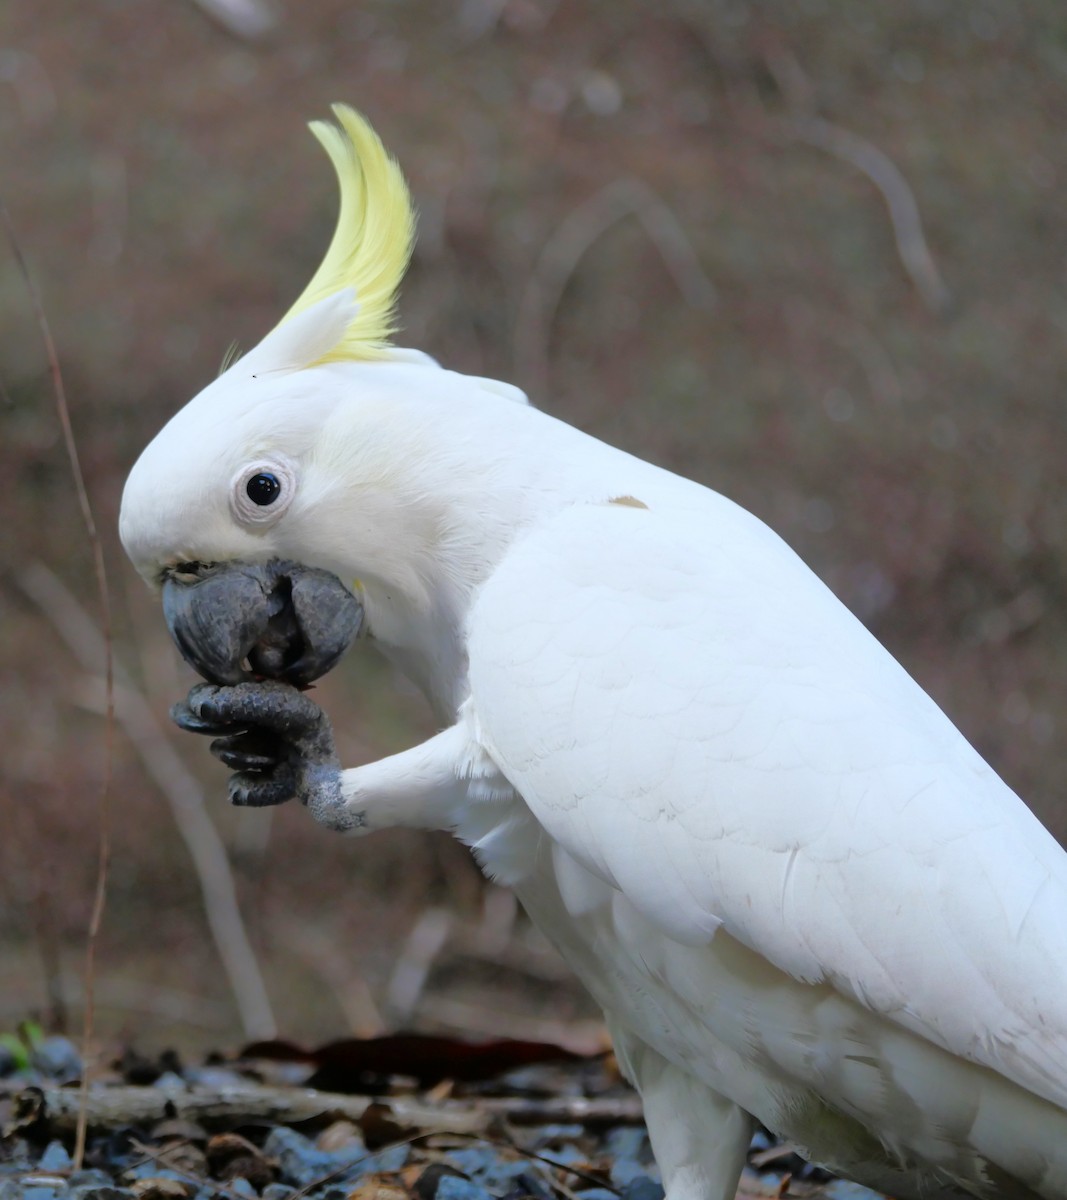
x: 261, y: 492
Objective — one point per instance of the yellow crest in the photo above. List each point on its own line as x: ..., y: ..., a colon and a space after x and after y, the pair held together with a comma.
x: 372, y: 243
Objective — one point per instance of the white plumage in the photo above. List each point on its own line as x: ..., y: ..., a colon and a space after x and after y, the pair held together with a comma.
x: 797, y: 892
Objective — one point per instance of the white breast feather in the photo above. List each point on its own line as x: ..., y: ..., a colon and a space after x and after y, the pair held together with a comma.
x: 697, y: 722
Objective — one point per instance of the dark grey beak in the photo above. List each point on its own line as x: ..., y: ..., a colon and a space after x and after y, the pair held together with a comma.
x: 279, y: 620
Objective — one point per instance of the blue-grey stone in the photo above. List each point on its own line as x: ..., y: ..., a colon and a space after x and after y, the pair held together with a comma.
x: 486, y: 1167
x: 842, y: 1189
x: 277, y: 1191
x: 567, y: 1154
x: 152, y: 1170
x: 89, y: 1177
x: 43, y: 1189
x: 55, y: 1158
x: 558, y: 1133
x: 643, y: 1188
x: 628, y: 1141
x: 299, y: 1160
x: 58, y: 1058
x: 455, y: 1187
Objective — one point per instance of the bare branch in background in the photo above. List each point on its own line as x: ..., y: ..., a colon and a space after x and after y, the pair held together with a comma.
x: 408, y: 981
x: 110, y: 207
x: 803, y: 122
x: 563, y: 251
x: 317, y: 949
x: 178, y: 785
x: 30, y: 83
x: 249, y: 20
x: 899, y: 198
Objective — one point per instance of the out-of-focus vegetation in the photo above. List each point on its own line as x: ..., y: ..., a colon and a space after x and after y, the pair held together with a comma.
x: 749, y: 320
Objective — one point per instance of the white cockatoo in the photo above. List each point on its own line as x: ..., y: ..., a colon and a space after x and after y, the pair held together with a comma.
x: 798, y: 894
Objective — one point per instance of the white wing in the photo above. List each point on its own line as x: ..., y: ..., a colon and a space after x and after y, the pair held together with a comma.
x: 697, y: 720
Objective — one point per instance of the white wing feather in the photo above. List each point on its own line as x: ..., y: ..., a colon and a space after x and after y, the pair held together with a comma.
x: 698, y: 721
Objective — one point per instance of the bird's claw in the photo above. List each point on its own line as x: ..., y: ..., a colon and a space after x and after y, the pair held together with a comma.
x: 278, y: 740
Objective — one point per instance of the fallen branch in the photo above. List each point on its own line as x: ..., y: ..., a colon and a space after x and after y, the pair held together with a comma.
x: 178, y: 785
x: 220, y: 1108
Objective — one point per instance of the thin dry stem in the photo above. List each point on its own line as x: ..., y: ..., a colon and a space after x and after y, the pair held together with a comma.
x: 412, y: 970
x: 805, y: 124
x: 177, y: 784
x: 899, y: 199
x: 100, y: 573
x: 565, y: 249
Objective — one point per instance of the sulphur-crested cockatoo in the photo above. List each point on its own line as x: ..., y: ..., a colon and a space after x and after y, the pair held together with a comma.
x: 798, y: 894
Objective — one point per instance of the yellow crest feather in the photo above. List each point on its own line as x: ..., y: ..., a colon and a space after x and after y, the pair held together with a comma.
x: 371, y: 246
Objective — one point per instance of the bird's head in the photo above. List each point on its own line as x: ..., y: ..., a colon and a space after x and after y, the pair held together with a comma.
x: 225, y: 509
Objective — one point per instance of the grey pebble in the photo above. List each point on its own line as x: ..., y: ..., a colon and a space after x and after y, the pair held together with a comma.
x: 558, y: 1133
x: 299, y: 1161
x: 58, y: 1058
x: 487, y: 1168
x: 629, y: 1141
x: 455, y: 1187
x: 643, y: 1188
x: 90, y: 1177
x: 55, y: 1158
x: 169, y: 1081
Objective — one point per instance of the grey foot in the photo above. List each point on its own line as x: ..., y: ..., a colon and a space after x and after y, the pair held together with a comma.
x: 278, y: 740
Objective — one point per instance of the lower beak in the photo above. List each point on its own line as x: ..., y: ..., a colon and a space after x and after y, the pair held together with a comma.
x: 280, y: 620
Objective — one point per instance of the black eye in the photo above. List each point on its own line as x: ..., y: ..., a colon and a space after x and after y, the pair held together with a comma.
x: 263, y: 489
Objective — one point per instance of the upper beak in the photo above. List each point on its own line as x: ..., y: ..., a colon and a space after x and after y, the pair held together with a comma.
x: 241, y: 621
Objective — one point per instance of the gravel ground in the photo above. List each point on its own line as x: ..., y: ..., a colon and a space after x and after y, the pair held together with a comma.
x: 377, y: 1156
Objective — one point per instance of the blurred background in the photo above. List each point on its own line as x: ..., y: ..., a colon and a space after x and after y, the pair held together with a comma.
x: 811, y: 254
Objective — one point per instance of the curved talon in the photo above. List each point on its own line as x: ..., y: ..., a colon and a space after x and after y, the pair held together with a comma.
x: 249, y: 790
x: 184, y: 717
x: 251, y: 750
x: 269, y: 704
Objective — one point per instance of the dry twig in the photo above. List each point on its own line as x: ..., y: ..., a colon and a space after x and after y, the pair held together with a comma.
x: 899, y: 199
x: 865, y: 156
x: 177, y: 784
x: 408, y: 981
x: 113, y: 1107
x: 100, y: 574
x: 568, y: 245
x: 249, y: 20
